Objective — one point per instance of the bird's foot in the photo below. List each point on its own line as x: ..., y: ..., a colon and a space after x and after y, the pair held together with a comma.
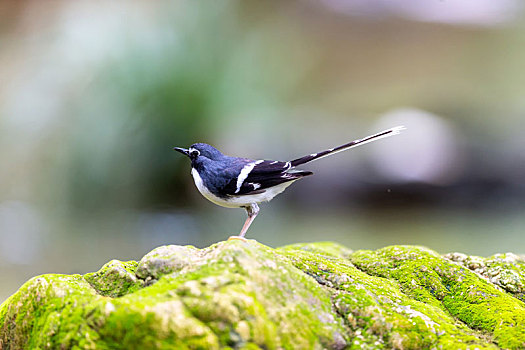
x: 240, y: 238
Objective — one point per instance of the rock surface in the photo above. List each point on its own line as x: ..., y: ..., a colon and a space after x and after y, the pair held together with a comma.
x: 244, y: 295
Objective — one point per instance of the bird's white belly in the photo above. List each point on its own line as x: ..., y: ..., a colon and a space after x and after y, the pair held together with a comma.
x: 238, y: 201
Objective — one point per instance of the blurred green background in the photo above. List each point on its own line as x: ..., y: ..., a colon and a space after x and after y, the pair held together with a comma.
x: 94, y: 95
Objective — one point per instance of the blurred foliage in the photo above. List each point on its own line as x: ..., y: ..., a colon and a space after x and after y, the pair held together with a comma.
x: 176, y: 83
x: 254, y: 79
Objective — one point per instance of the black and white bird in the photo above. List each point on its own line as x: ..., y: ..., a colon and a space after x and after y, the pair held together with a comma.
x: 234, y: 182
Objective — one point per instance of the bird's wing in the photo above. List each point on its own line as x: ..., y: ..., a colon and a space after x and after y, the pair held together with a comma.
x: 256, y: 176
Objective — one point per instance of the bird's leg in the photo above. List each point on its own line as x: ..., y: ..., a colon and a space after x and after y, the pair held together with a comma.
x: 252, y: 212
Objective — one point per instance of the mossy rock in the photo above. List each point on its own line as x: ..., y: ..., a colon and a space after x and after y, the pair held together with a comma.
x: 244, y: 295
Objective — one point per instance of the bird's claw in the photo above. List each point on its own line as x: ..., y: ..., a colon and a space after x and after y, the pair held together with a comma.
x: 232, y: 238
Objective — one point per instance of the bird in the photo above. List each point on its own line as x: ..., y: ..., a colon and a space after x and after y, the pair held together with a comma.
x: 235, y: 182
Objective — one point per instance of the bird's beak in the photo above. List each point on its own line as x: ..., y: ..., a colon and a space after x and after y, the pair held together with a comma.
x: 182, y: 150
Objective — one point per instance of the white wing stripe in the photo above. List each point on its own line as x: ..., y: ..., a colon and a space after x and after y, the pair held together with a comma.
x: 244, y: 174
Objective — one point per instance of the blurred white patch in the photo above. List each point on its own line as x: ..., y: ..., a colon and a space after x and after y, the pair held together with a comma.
x: 469, y: 12
x: 427, y: 151
x: 21, y: 231
x: 463, y: 12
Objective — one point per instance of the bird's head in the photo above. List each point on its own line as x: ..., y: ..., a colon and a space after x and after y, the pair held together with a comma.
x: 200, y: 150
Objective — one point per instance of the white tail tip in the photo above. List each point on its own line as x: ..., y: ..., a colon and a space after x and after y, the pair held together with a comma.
x: 397, y: 129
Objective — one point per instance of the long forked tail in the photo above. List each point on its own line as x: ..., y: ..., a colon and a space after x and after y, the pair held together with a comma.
x: 386, y: 133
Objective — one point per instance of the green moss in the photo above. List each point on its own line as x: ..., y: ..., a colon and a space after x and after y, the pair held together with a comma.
x: 506, y: 271
x: 115, y: 279
x: 379, y: 314
x: 427, y: 277
x: 164, y: 260
x: 244, y: 295
x: 34, y: 317
x: 236, y: 294
x: 322, y: 248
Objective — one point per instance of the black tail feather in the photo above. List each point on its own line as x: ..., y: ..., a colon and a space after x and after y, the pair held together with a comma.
x: 311, y: 157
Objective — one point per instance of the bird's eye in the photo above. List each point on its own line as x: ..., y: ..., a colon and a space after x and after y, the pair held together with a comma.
x: 194, y: 153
